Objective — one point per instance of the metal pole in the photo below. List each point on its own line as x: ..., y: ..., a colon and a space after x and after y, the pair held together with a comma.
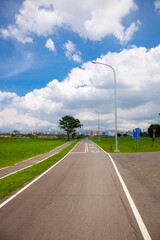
x: 115, y: 102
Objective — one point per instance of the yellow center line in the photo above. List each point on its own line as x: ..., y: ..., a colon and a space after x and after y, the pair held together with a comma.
x: 86, y: 148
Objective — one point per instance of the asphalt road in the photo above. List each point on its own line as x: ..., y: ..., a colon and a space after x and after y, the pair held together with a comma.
x: 141, y: 173
x: 81, y: 198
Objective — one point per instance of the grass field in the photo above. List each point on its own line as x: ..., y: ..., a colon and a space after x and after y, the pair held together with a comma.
x: 16, y: 150
x: 127, y: 144
x: 11, y: 183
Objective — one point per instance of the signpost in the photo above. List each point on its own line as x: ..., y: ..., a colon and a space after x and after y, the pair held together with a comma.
x: 136, y: 132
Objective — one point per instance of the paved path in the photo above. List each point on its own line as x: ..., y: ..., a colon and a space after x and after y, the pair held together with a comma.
x: 80, y: 198
x: 31, y: 161
x: 141, y: 172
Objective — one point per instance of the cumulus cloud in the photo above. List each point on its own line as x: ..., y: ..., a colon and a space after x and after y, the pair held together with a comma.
x: 90, y: 88
x: 157, y: 5
x: 92, y: 19
x: 71, y: 52
x: 50, y: 45
x: 6, y: 98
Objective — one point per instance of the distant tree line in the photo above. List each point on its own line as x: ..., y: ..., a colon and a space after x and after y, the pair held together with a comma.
x: 147, y: 133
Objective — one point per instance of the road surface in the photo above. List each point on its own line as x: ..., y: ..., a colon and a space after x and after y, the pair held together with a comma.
x: 81, y: 198
x: 141, y: 172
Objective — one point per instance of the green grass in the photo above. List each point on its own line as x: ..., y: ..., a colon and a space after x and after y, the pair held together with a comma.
x: 16, y: 150
x: 17, y: 180
x: 127, y: 144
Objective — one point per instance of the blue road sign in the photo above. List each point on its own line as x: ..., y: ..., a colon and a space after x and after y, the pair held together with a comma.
x: 136, y: 133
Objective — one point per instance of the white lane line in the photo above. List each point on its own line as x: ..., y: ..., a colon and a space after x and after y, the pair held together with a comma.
x: 136, y: 213
x: 28, y: 185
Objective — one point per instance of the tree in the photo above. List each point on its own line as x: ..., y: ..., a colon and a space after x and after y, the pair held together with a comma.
x: 69, y: 124
x: 156, y: 127
x: 125, y: 135
x: 119, y: 135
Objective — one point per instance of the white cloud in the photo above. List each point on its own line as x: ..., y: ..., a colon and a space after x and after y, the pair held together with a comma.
x: 157, y: 5
x: 90, y: 88
x: 71, y: 52
x: 70, y: 48
x: 126, y: 35
x: 50, y: 45
x: 92, y: 19
x: 6, y: 98
x: 7, y: 95
x: 11, y: 119
x: 77, y: 58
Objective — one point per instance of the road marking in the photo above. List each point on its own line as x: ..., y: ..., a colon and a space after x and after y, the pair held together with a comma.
x: 86, y: 148
x: 136, y: 213
x: 29, y: 184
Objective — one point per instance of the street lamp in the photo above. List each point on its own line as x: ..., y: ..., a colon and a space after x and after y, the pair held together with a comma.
x: 115, y: 101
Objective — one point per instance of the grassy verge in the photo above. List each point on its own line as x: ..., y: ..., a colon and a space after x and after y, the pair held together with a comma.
x: 11, y: 183
x: 16, y: 150
x: 127, y: 144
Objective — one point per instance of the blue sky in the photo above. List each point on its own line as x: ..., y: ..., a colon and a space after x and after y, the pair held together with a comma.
x: 45, y: 70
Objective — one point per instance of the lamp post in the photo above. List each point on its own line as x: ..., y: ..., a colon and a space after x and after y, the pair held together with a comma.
x: 115, y: 102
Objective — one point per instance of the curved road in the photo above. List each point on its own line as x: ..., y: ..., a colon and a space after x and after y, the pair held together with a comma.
x: 80, y: 198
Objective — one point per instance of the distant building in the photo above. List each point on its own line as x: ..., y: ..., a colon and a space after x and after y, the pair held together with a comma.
x: 111, y: 133
x: 104, y: 133
x: 96, y: 132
